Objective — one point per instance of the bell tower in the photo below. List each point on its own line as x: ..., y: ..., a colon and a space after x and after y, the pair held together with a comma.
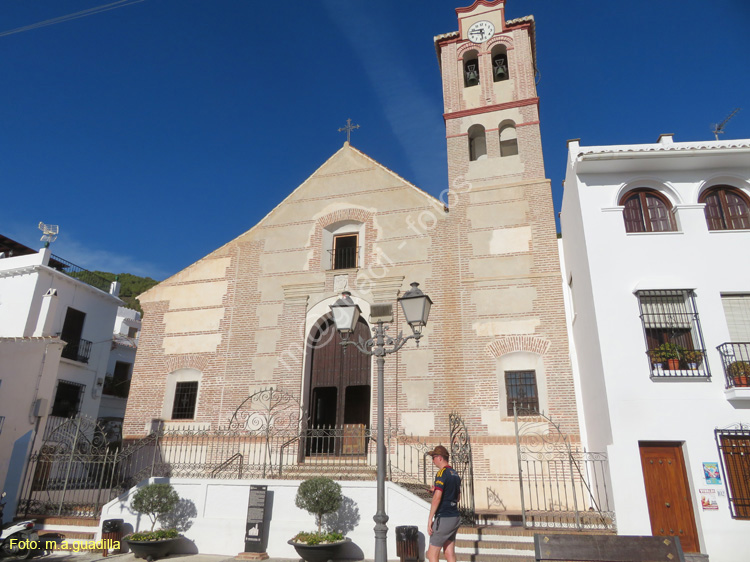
x: 509, y: 345
x: 491, y: 108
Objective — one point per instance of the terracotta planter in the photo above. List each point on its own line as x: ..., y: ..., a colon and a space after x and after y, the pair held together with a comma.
x: 742, y: 380
x: 318, y: 552
x: 152, y: 550
x: 673, y: 364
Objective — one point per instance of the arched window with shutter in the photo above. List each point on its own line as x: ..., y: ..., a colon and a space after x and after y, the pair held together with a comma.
x: 647, y: 210
x: 726, y: 208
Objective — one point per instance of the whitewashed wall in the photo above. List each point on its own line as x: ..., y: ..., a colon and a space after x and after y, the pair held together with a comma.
x: 621, y: 404
x: 221, y: 507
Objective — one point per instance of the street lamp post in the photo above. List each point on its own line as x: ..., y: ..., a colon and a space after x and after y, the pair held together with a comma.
x: 416, y: 306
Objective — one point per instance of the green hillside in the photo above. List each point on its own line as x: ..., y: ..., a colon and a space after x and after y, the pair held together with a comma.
x: 130, y: 287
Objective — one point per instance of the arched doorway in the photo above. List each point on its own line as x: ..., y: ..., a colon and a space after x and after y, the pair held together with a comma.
x: 338, y: 396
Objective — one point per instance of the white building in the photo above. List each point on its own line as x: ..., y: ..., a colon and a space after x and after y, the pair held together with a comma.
x: 655, y: 240
x: 55, y: 337
x: 120, y: 368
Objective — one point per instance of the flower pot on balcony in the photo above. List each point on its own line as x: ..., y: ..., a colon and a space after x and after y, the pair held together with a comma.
x: 658, y: 368
x: 673, y: 364
x: 742, y: 380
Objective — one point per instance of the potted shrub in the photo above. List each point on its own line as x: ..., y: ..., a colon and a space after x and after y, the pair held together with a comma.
x: 669, y: 353
x: 318, y: 496
x: 693, y: 358
x: 155, y: 501
x: 739, y: 371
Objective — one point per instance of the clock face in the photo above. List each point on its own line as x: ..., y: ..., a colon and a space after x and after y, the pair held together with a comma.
x: 481, y: 31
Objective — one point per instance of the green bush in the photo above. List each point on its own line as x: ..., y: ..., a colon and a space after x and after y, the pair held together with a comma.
x: 155, y: 500
x: 159, y: 535
x: 318, y: 538
x: 318, y: 496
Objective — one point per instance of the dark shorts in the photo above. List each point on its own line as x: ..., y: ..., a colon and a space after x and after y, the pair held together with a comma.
x: 444, y: 530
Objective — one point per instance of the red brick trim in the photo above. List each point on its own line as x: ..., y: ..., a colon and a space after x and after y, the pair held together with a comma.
x: 190, y: 361
x: 359, y: 215
x: 503, y: 346
x: 488, y: 108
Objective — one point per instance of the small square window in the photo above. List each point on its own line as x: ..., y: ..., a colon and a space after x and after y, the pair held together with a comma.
x: 132, y: 332
x: 520, y: 387
x: 185, y: 397
x: 68, y: 397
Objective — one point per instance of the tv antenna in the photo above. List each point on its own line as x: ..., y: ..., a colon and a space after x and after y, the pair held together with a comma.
x: 719, y: 128
x: 49, y: 233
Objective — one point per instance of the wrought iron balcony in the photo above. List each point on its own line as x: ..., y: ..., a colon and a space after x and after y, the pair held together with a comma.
x: 76, y: 272
x: 77, y: 350
x: 674, y: 361
x: 736, y: 360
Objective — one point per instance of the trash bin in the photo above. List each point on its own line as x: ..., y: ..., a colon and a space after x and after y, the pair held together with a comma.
x: 111, y: 531
x: 407, y: 542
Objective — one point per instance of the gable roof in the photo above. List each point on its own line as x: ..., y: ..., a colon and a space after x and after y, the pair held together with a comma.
x: 345, y: 150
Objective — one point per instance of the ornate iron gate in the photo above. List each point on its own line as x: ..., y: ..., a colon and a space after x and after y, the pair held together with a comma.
x: 68, y: 472
x: 461, y: 461
x: 561, y: 486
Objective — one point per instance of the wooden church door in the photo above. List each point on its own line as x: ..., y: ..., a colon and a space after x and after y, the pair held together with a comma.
x: 339, y: 396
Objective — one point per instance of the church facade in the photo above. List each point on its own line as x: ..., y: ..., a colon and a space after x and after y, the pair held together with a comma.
x: 255, y: 313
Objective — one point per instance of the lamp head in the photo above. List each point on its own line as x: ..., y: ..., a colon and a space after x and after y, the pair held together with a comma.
x: 416, y: 306
x: 345, y: 314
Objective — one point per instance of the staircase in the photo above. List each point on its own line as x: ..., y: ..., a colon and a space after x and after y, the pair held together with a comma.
x: 69, y: 529
x: 502, y: 538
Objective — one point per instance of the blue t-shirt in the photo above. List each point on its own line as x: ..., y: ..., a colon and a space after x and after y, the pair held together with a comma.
x: 449, y: 482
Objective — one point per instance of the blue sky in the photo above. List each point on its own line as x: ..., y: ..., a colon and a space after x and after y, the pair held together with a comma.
x: 156, y: 132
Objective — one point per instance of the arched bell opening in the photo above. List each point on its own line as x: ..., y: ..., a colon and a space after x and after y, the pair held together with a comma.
x: 338, y: 392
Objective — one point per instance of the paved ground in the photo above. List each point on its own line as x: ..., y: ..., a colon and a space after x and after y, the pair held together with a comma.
x: 66, y: 556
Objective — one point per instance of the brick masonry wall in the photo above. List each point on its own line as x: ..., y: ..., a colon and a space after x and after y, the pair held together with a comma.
x: 272, y: 277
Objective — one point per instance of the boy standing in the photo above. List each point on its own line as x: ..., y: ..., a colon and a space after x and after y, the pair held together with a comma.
x: 444, y: 518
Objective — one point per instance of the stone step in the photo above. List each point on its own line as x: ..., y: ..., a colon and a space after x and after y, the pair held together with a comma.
x: 464, y: 557
x: 42, y: 520
x: 494, y: 547
x: 497, y: 532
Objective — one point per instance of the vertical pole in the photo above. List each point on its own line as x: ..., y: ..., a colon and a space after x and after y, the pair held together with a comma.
x: 380, y: 518
x: 156, y: 448
x: 520, y: 466
x: 573, y: 483
x: 390, y: 468
x: 70, y: 464
x: 101, y: 477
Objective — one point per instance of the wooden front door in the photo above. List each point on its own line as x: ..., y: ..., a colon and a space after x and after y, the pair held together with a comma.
x: 339, y: 395
x: 670, y: 506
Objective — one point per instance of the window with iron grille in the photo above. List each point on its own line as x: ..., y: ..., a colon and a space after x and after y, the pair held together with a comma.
x: 674, y: 341
x: 185, y: 397
x: 520, y: 387
x: 68, y: 397
x: 345, y: 251
x: 734, y: 452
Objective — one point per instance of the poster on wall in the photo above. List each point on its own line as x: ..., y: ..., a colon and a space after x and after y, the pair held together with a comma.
x: 708, y: 500
x: 711, y: 472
